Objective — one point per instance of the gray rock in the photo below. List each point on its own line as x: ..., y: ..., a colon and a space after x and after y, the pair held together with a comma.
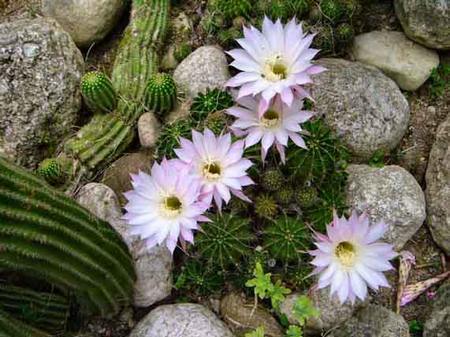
x: 425, y: 21
x: 362, y: 105
x: 390, y: 194
x: 205, y: 68
x: 176, y: 320
x: 438, y: 187
x: 406, y: 62
x: 86, y: 21
x: 148, y: 130
x: 153, y: 268
x: 331, y: 312
x: 242, y: 316
x: 438, y: 324
x: 40, y: 72
x: 373, y: 321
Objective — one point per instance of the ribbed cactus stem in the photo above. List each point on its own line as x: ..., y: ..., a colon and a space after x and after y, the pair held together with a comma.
x: 98, y: 92
x: 10, y: 327
x: 161, y: 93
x: 47, y: 235
x: 44, y: 310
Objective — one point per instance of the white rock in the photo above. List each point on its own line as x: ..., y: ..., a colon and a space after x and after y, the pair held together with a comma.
x: 181, y: 320
x: 390, y: 194
x: 205, y: 68
x: 148, y: 130
x: 153, y: 268
x: 87, y: 21
x: 406, y: 62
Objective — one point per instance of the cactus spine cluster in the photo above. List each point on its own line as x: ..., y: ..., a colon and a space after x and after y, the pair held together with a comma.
x: 104, y: 138
x: 98, y: 92
x: 46, y: 235
x: 161, y: 93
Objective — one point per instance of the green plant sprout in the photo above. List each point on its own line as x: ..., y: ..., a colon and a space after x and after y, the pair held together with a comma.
x: 259, y: 332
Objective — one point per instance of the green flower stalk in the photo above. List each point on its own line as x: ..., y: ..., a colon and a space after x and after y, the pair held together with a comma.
x: 98, y: 92
x: 161, y: 93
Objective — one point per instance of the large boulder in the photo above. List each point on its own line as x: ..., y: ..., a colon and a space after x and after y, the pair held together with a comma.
x: 389, y: 194
x: 40, y: 72
x: 176, y: 320
x: 406, y: 62
x: 438, y: 187
x: 438, y: 324
x: 362, y: 105
x: 87, y: 21
x: 206, y: 67
x: 153, y: 267
x: 373, y: 321
x: 425, y: 21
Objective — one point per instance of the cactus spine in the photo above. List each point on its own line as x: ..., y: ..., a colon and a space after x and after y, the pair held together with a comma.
x: 45, y: 234
x: 98, y: 92
x: 107, y: 136
x: 161, y: 93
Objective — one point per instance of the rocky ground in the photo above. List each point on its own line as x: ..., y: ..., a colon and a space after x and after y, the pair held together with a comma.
x: 378, y: 97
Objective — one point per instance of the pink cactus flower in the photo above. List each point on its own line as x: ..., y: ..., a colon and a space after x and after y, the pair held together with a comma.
x: 279, y: 123
x: 350, y: 258
x: 164, y: 206
x: 217, y: 164
x: 274, y: 61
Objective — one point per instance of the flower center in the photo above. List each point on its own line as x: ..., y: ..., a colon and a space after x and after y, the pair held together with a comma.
x: 212, y: 171
x: 275, y: 69
x: 171, y: 206
x: 270, y: 118
x: 346, y: 253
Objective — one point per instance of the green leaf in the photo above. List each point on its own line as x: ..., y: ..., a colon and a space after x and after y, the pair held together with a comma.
x: 261, y: 282
x: 294, y: 331
x: 277, y: 295
x: 259, y: 332
x: 304, y: 309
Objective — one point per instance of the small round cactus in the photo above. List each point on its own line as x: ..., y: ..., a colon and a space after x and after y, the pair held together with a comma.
x: 209, y: 102
x: 272, y: 180
x: 286, y: 238
x: 53, y: 171
x: 98, y: 92
x: 284, y: 195
x: 216, y: 122
x: 228, y: 36
x: 169, y: 138
x: 333, y: 10
x: 266, y: 206
x: 344, y: 33
x: 233, y: 8
x: 161, y: 93
x: 306, y: 196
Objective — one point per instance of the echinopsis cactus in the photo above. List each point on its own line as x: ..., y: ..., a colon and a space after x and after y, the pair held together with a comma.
x: 161, y: 93
x: 46, y: 235
x: 209, y: 102
x: 233, y: 8
x: 98, y: 92
x: 53, y: 170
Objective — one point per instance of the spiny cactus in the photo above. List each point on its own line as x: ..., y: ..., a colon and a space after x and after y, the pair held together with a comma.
x: 217, y: 122
x: 46, y: 235
x: 11, y: 327
x: 98, y: 92
x: 233, y: 8
x: 333, y: 10
x: 194, y: 277
x: 285, y: 195
x: 285, y: 238
x: 272, y: 180
x: 266, y: 206
x: 344, y: 33
x: 46, y: 311
x: 224, y: 240
x: 306, y: 196
x: 161, y: 93
x: 169, y: 138
x: 54, y: 170
x: 212, y: 101
x: 284, y: 9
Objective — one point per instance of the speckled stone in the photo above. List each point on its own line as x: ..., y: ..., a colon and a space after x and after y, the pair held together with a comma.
x: 40, y: 72
x: 438, y: 187
x: 390, y: 194
x: 206, y: 67
x: 181, y: 320
x: 148, y: 130
x: 438, y: 323
x: 362, y: 105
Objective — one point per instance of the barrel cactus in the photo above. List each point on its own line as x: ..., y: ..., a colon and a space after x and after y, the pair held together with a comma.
x: 54, y: 170
x: 45, y: 235
x: 98, y: 92
x: 161, y: 93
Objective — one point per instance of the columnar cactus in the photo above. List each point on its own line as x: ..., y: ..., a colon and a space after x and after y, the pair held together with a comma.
x: 98, y: 92
x: 161, y: 93
x: 10, y: 327
x: 46, y: 235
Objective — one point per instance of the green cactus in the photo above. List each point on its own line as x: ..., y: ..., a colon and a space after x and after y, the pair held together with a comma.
x: 306, y: 196
x: 284, y: 9
x: 54, y: 170
x: 285, y: 195
x: 182, y: 51
x: 46, y: 311
x: 11, y: 327
x: 266, y: 206
x: 209, y: 102
x: 224, y: 240
x: 46, y: 235
x: 324, y: 40
x: 344, y: 33
x: 217, y: 122
x: 194, y: 277
x: 272, y: 180
x: 333, y: 10
x: 286, y: 239
x: 161, y: 93
x: 231, y: 9
x: 98, y: 92
x: 169, y: 138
